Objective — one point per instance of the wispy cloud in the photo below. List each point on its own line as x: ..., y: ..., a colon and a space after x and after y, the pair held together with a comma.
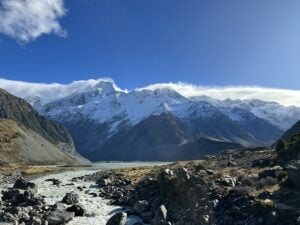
x: 53, y: 90
x: 285, y: 97
x: 26, y: 20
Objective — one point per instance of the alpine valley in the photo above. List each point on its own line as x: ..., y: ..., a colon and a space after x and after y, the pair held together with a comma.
x: 108, y: 123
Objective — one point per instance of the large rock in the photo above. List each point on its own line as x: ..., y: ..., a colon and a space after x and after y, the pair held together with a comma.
x: 19, y: 197
x: 78, y: 210
x: 104, y: 182
x: 160, y: 216
x: 22, y: 184
x: 294, y: 173
x: 71, y: 199
x: 141, y: 206
x: 267, y: 173
x: 183, y: 174
x: 118, y: 219
x: 60, y: 217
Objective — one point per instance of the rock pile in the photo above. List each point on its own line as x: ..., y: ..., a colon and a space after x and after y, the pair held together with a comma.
x: 21, y: 205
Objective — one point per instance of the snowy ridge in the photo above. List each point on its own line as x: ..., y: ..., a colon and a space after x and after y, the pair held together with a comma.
x: 106, y: 121
x: 102, y: 101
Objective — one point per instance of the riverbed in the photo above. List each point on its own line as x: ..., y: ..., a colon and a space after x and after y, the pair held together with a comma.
x: 97, y: 209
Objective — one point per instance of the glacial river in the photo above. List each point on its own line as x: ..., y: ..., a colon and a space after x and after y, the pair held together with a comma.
x: 97, y: 210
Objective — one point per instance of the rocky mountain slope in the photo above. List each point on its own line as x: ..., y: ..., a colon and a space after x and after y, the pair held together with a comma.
x: 290, y: 132
x: 108, y: 123
x: 26, y: 136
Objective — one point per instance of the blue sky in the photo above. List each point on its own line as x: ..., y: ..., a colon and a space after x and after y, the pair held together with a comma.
x: 139, y: 42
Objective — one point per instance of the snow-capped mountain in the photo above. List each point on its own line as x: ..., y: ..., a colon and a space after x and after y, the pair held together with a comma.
x: 281, y: 116
x: 108, y: 123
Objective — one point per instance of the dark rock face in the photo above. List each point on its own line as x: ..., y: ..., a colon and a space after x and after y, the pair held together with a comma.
x: 70, y: 199
x: 294, y: 173
x: 118, y: 219
x: 78, y: 210
x: 141, y: 206
x: 160, y: 216
x: 267, y: 173
x: 22, y: 184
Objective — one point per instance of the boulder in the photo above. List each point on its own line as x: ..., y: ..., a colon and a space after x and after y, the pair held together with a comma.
x: 54, y: 181
x: 267, y: 173
x: 232, y: 163
x: 22, y: 184
x: 160, y: 216
x: 184, y: 174
x: 71, y: 199
x: 19, y: 197
x: 60, y: 217
x: 141, y: 206
x: 228, y: 181
x: 104, y: 182
x: 293, y: 171
x: 118, y: 219
x: 78, y: 210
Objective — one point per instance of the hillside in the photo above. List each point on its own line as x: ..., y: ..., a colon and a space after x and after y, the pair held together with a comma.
x: 291, y: 132
x: 25, y: 136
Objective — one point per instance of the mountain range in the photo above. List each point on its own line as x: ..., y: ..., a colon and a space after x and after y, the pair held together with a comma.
x: 108, y: 123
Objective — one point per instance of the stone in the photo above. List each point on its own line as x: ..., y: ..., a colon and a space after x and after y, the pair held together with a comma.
x: 168, y: 172
x: 210, y: 172
x: 293, y: 171
x: 59, y: 207
x: 54, y: 181
x: 118, y: 219
x: 228, y: 181
x: 138, y: 223
x: 141, y: 206
x: 267, y: 173
x: 264, y: 195
x: 78, y: 210
x: 156, y: 203
x: 298, y: 221
x: 22, y: 184
x: 184, y: 174
x: 60, y: 217
x: 35, y: 221
x: 71, y: 199
x: 104, y: 182
x: 160, y: 216
x: 232, y: 164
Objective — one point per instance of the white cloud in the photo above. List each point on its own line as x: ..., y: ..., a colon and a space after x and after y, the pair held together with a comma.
x: 54, y: 90
x: 26, y: 20
x: 285, y: 97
